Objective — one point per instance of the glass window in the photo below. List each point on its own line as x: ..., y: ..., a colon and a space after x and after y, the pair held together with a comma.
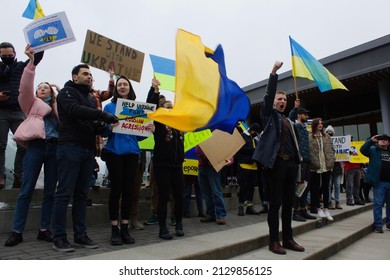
x: 338, y: 131
x: 379, y: 127
x: 364, y: 131
x: 351, y: 130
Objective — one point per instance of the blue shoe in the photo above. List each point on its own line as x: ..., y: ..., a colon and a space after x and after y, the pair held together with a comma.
x: 152, y: 220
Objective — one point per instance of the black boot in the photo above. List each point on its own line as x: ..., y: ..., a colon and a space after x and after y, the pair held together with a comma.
x: 264, y: 210
x: 125, y: 234
x: 164, y: 233
x: 116, y: 238
x: 17, y: 182
x: 179, y: 229
x: 240, y: 211
x: 250, y: 210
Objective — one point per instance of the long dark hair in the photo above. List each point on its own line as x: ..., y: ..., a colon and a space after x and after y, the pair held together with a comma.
x: 314, y: 126
x: 131, y: 94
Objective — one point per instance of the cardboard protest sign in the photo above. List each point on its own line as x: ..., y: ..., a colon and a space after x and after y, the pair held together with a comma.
x: 221, y: 147
x: 103, y: 53
x: 49, y: 32
x: 132, y: 117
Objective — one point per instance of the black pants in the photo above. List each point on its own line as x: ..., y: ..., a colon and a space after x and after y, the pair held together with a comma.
x: 319, y: 184
x: 281, y: 180
x: 122, y: 170
x: 167, y: 179
x: 247, y: 180
x: 300, y: 202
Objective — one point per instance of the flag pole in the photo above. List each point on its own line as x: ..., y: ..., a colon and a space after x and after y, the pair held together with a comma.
x: 295, y: 87
x: 292, y: 70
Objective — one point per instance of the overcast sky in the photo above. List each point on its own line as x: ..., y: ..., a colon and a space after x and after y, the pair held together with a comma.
x: 253, y: 33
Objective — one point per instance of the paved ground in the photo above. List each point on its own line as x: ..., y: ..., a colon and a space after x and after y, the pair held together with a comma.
x: 374, y: 246
x: 31, y: 248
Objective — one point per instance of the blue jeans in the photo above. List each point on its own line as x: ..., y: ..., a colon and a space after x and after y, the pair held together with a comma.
x: 38, y: 153
x: 334, y: 185
x: 381, y: 194
x: 75, y: 166
x: 210, y: 187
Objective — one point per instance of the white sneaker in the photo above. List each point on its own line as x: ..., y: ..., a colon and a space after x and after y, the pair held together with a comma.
x: 321, y: 213
x: 327, y: 215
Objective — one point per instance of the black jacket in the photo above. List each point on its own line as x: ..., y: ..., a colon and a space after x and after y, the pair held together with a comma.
x: 168, y: 142
x: 77, y: 111
x: 10, y: 80
x: 270, y: 138
x: 302, y: 134
x: 244, y: 155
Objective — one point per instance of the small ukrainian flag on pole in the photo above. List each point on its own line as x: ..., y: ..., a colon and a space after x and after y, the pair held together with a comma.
x: 34, y: 10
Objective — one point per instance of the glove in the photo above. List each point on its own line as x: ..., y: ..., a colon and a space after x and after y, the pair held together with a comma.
x: 108, y: 118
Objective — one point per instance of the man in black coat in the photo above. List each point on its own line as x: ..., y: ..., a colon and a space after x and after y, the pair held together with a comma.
x: 11, y: 116
x: 277, y: 151
x: 76, y: 157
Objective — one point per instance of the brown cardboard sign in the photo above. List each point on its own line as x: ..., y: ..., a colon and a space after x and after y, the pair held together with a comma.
x: 102, y: 52
x: 221, y: 147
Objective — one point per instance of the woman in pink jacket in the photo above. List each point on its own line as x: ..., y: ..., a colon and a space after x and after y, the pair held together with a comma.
x: 39, y: 133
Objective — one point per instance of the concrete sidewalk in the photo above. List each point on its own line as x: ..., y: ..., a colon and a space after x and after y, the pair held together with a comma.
x: 240, y: 236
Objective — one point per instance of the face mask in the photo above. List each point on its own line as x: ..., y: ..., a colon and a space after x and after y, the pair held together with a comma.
x: 47, y: 99
x: 8, y: 60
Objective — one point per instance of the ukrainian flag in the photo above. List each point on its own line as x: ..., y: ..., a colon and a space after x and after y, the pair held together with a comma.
x: 205, y: 97
x: 304, y: 65
x: 34, y: 10
x: 164, y: 71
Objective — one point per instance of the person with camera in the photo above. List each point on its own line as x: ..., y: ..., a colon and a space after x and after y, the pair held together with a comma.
x: 121, y: 154
x: 377, y: 150
x: 76, y: 157
x: 11, y: 115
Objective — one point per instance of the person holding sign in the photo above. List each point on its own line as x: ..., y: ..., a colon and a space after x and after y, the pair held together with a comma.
x: 11, y: 116
x: 168, y: 158
x: 39, y: 133
x: 377, y: 150
x: 76, y: 157
x: 247, y: 174
x: 121, y: 155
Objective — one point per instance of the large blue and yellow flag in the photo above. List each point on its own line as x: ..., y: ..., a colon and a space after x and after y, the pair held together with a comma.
x: 34, y: 10
x: 164, y: 71
x: 205, y: 97
x: 304, y: 65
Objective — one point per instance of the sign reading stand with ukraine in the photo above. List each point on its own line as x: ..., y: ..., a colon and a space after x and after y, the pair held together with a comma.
x: 49, y: 32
